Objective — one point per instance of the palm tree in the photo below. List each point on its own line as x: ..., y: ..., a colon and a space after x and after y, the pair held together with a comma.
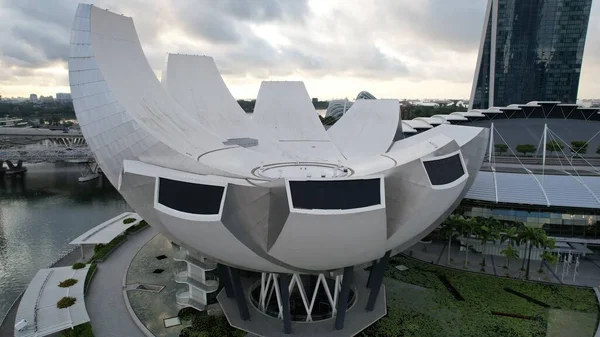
x: 449, y: 227
x: 510, y: 253
x: 488, y: 230
x: 549, y: 257
x: 510, y: 235
x: 534, y: 238
x: 466, y: 229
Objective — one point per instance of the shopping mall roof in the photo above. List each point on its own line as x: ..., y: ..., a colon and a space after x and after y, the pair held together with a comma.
x: 38, y: 304
x: 108, y: 230
x: 536, y: 189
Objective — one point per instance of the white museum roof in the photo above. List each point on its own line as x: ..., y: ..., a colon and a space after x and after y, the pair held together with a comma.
x: 547, y: 190
x: 106, y: 231
x: 38, y: 304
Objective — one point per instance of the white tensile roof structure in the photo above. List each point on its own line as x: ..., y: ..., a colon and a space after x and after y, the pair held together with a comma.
x: 275, y: 192
x: 106, y: 231
x: 38, y: 304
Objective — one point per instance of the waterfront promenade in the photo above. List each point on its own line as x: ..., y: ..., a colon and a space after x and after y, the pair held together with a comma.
x: 7, y: 326
x: 105, y: 304
x: 104, y: 301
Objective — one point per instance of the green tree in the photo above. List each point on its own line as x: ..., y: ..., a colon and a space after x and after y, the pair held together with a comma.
x: 449, y: 229
x: 553, y: 145
x: 598, y: 150
x: 467, y: 228
x: 525, y: 148
x: 511, y: 254
x: 501, y: 148
x: 534, y: 237
x: 488, y: 230
x: 548, y: 244
x: 579, y: 146
x: 510, y: 235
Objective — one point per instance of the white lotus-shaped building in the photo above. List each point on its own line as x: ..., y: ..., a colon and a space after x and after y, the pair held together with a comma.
x: 274, y: 192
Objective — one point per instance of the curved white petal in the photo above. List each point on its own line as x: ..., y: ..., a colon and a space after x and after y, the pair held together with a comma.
x: 368, y: 128
x: 284, y: 108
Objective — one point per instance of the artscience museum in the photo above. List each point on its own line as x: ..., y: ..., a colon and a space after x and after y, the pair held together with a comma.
x: 283, y: 210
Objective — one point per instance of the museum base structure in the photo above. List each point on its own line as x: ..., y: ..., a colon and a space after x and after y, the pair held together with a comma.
x: 340, y: 303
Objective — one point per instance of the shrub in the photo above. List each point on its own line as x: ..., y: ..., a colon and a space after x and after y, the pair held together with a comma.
x: 187, y: 314
x: 88, y: 276
x: 525, y: 148
x: 81, y: 330
x: 135, y: 228
x: 67, y: 283
x: 129, y: 220
x: 501, y: 148
x: 579, y: 146
x: 65, y: 302
x: 78, y: 265
x: 554, y: 146
x: 101, y: 251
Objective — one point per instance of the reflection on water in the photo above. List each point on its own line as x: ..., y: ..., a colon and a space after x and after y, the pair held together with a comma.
x: 40, y: 214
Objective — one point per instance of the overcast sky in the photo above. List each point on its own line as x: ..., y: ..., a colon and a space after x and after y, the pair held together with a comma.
x: 392, y: 48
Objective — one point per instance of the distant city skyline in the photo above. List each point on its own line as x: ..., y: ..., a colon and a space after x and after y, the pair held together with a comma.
x: 393, y: 49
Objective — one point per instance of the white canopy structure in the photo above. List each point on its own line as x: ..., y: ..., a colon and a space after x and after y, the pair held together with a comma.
x: 106, y: 231
x: 38, y: 306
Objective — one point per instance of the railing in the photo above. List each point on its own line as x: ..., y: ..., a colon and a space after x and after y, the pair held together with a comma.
x: 183, y: 255
x: 184, y: 298
x: 209, y: 284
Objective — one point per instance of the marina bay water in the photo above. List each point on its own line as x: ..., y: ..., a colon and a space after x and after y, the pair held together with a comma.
x: 40, y: 214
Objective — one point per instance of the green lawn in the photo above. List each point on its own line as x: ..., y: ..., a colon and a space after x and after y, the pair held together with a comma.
x: 432, y: 310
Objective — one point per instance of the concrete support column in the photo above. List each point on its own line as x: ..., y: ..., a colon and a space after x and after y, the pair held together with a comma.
x: 240, y: 297
x: 342, y: 303
x: 225, y: 277
x: 376, y: 280
x: 284, y: 289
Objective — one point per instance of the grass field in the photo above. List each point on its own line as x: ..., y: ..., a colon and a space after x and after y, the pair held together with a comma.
x: 420, y: 304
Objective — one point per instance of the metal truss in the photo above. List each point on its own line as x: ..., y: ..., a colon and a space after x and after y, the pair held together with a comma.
x: 269, y: 284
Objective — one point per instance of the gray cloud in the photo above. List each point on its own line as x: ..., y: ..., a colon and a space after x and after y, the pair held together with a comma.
x: 384, y: 39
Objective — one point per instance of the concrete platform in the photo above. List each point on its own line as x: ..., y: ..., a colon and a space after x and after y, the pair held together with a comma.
x: 260, y: 324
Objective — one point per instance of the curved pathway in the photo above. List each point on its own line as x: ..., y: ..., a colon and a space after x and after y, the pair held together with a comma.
x: 105, y: 304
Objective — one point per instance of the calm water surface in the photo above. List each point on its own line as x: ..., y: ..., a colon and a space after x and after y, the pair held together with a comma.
x: 40, y: 214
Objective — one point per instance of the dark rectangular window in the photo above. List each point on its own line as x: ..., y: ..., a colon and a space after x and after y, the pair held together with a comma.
x: 335, y: 194
x: 444, y: 171
x: 189, y: 197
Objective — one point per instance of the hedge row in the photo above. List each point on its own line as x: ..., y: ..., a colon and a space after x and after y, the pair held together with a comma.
x: 82, y: 330
x: 102, y: 250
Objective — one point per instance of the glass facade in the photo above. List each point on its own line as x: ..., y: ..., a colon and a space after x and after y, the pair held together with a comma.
x: 582, y: 223
x: 538, y: 52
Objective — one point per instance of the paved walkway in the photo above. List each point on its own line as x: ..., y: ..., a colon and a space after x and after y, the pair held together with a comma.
x: 437, y: 252
x: 105, y: 304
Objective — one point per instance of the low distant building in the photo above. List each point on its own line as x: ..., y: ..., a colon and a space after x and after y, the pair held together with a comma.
x: 33, y: 98
x: 46, y: 99
x: 63, y: 98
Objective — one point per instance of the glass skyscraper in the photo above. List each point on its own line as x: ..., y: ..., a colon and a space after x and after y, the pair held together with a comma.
x: 531, y: 50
